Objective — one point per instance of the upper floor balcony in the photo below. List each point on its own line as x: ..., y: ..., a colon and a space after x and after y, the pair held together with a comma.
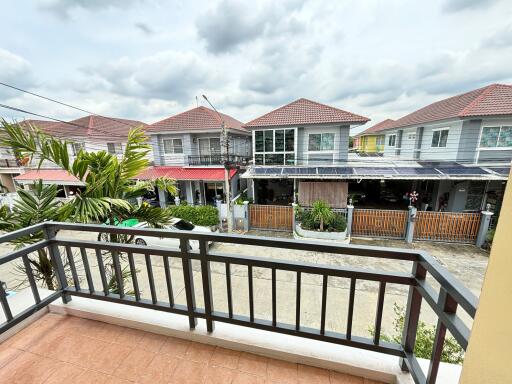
x: 217, y: 159
x: 9, y: 163
x: 270, y: 307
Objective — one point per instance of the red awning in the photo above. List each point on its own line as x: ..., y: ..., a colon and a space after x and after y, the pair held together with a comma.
x: 180, y: 173
x: 48, y: 176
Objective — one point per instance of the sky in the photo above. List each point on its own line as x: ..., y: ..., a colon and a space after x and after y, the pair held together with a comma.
x: 150, y: 59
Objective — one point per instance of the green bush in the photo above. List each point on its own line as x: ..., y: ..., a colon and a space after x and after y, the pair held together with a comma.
x: 308, y: 222
x: 204, y: 215
x: 452, y: 352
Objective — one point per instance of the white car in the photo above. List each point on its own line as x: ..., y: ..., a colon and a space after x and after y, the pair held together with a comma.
x: 175, y: 225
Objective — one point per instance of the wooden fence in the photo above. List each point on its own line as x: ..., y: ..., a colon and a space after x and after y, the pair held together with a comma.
x: 275, y: 217
x: 447, y: 226
x: 379, y: 223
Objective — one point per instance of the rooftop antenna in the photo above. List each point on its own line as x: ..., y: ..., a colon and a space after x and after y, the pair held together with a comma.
x: 197, y: 102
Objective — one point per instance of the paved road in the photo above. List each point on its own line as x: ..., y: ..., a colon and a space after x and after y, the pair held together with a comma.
x: 466, y: 262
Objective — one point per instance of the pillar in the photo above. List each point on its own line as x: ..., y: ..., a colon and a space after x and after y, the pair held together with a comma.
x: 484, y: 226
x: 162, y: 197
x: 350, y: 217
x: 246, y: 216
x: 294, y: 207
x: 190, y: 193
x: 409, y: 233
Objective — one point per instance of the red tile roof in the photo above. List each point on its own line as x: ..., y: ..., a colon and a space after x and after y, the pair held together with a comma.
x: 41, y: 124
x: 57, y: 175
x: 181, y: 173
x: 495, y: 99
x: 305, y: 112
x: 377, y: 127
x: 196, y: 119
x: 94, y: 127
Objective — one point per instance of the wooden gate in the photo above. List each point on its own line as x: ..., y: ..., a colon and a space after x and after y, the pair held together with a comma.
x: 379, y: 223
x: 447, y: 226
x: 275, y: 217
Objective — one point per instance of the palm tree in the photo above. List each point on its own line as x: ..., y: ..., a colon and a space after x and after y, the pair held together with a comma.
x: 322, y: 213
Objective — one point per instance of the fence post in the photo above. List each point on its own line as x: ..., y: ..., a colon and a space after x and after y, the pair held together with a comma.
x: 350, y: 218
x: 294, y: 207
x: 162, y: 198
x: 409, y: 234
x: 53, y: 250
x: 218, y: 204
x: 246, y: 216
x: 484, y: 226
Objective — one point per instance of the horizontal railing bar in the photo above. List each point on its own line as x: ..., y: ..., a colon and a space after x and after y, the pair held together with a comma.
x: 457, y: 328
x: 311, y: 333
x: 120, y: 247
x: 29, y: 311
x: 21, y: 232
x: 463, y: 296
x: 320, y: 269
x: 130, y: 300
x: 356, y: 250
x: 23, y: 251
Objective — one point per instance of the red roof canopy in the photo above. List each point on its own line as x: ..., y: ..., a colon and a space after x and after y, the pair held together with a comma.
x: 495, y: 99
x: 196, y: 119
x: 181, y: 173
x: 59, y: 176
x: 305, y: 112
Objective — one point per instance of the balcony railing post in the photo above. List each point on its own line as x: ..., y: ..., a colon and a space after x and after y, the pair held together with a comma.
x: 188, y: 279
x: 53, y: 249
x: 207, y: 284
x: 412, y: 314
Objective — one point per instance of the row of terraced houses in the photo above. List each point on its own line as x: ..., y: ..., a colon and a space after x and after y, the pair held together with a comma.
x: 455, y: 153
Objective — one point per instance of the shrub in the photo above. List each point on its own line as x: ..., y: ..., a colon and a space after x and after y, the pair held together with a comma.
x: 308, y: 222
x: 322, y: 214
x: 452, y: 352
x: 338, y: 223
x: 204, y: 215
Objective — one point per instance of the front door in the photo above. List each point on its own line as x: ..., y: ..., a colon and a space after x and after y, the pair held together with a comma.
x: 212, y: 190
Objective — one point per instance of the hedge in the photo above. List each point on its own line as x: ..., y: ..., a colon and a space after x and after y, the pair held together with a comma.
x: 205, y: 215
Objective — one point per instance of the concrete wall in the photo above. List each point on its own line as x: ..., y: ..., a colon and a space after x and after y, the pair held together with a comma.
x: 487, y: 358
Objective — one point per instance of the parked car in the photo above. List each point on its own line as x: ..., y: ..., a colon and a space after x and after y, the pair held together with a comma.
x: 175, y: 225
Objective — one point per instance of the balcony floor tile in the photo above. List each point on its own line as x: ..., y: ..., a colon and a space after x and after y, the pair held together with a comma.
x: 64, y: 349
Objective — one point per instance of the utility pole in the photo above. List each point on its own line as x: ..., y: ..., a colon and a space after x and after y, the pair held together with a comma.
x: 227, y: 166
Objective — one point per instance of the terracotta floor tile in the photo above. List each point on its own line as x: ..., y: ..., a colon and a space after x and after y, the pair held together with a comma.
x: 188, y: 372
x: 36, y: 373
x: 160, y: 370
x: 344, y: 378
x: 225, y: 357
x: 369, y: 381
x: 130, y: 337
x: 152, y: 342
x: 93, y: 377
x: 313, y: 375
x: 17, y: 366
x: 216, y: 374
x: 64, y: 373
x: 134, y: 364
x: 282, y: 372
x: 27, y: 336
x: 82, y: 350
x: 175, y: 347
x: 102, y: 331
x: 201, y: 353
x: 246, y: 378
x: 253, y: 364
x: 109, y: 357
x: 8, y: 354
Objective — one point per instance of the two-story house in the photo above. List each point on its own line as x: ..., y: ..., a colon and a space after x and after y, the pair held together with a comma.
x: 92, y: 133
x: 189, y: 147
x: 294, y: 149
x: 371, y: 140
x: 465, y: 135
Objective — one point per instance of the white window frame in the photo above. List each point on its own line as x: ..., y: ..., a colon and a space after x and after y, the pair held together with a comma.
x: 118, y: 148
x: 172, y: 152
x: 273, y: 152
x: 210, y: 153
x: 496, y: 148
x: 76, y: 147
x: 440, y: 129
x: 323, y: 150
x: 394, y: 140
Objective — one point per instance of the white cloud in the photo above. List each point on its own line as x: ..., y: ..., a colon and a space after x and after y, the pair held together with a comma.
x: 64, y: 8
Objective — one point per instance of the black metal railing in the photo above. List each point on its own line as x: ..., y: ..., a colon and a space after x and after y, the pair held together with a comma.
x: 9, y: 163
x: 218, y: 159
x: 444, y: 302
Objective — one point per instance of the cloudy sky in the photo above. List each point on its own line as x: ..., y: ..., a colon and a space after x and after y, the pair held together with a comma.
x: 149, y: 59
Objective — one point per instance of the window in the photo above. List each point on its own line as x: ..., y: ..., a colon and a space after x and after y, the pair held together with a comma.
x: 379, y: 140
x: 496, y: 137
x: 391, y: 140
x: 114, y: 148
x: 411, y: 136
x: 76, y: 147
x: 274, y: 146
x: 173, y: 146
x: 321, y: 142
x: 440, y: 138
x: 209, y: 146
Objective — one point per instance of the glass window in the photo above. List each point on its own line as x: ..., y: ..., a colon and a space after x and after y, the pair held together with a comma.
x: 114, y: 148
x: 290, y: 140
x: 505, y: 139
x: 76, y: 147
x: 214, y: 145
x: 290, y: 159
x: 439, y: 138
x: 391, y: 140
x: 380, y: 140
x: 327, y: 142
x: 173, y: 146
x: 279, y: 144
x: 269, y: 141
x: 315, y: 140
x: 490, y: 136
x: 258, y: 159
x: 258, y: 138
